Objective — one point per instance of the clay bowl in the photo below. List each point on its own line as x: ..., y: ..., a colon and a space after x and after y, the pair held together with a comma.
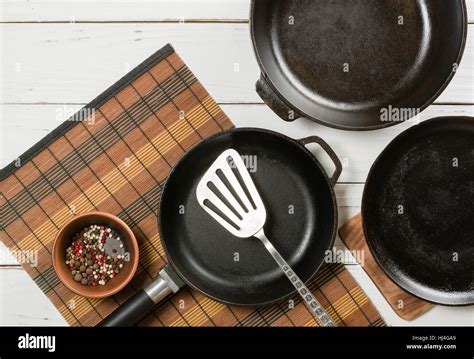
x: 64, y: 239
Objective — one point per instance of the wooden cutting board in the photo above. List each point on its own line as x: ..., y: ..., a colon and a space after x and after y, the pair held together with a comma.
x: 407, y: 306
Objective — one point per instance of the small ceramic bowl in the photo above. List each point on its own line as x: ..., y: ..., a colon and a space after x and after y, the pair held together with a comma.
x: 64, y: 239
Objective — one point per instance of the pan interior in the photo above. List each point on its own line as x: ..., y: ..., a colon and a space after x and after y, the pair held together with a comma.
x: 333, y: 59
x: 300, y: 220
x: 418, y: 210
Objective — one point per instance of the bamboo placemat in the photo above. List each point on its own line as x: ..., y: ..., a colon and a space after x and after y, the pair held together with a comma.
x: 114, y: 156
x: 406, y: 305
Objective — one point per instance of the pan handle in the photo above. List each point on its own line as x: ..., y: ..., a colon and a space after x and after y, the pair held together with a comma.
x: 337, y: 163
x: 144, y: 300
x: 273, y: 101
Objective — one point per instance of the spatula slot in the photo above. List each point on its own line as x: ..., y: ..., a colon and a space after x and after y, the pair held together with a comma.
x: 224, y: 180
x: 219, y: 213
x: 221, y: 196
x: 241, y: 181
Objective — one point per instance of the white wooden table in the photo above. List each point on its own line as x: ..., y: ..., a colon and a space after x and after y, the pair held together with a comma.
x: 58, y: 55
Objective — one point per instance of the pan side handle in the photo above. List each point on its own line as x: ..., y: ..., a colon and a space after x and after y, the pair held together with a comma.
x: 324, y: 145
x: 273, y: 101
x: 144, y: 300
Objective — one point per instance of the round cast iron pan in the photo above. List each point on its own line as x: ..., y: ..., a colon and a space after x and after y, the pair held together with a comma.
x: 418, y: 210
x: 341, y: 63
x: 289, y: 179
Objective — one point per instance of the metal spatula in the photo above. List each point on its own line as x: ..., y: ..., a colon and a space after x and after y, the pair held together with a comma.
x: 228, y: 194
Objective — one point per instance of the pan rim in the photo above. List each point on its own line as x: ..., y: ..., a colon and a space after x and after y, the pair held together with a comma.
x: 390, y: 274
x: 304, y: 114
x: 171, y: 261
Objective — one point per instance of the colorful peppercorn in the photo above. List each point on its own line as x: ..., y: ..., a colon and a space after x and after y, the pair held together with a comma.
x: 96, y: 255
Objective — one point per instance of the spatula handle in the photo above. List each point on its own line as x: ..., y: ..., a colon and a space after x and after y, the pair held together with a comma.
x: 311, y: 302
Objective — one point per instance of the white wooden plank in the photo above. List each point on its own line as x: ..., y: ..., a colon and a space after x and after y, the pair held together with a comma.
x: 119, y: 10
x: 72, y: 63
x: 139, y: 10
x: 357, y: 150
x: 25, y: 304
x: 7, y: 258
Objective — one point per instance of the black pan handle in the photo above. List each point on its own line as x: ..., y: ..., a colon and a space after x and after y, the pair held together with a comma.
x: 273, y: 101
x: 144, y: 300
x: 130, y: 312
x: 324, y: 145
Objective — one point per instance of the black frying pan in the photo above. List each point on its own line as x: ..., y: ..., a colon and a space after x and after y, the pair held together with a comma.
x: 418, y: 210
x: 356, y: 64
x: 301, y: 221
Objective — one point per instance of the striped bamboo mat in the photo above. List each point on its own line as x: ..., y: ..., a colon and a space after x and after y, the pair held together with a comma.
x: 113, y: 156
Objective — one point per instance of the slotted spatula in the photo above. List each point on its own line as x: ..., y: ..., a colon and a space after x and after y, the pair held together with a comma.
x: 228, y: 194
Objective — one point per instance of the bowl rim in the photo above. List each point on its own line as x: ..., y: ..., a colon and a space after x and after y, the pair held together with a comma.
x: 134, y: 262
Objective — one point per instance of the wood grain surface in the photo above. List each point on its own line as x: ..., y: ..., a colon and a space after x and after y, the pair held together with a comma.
x: 407, y: 306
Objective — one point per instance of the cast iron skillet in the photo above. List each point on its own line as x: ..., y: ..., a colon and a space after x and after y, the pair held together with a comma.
x: 418, y: 210
x: 359, y: 64
x: 301, y: 222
